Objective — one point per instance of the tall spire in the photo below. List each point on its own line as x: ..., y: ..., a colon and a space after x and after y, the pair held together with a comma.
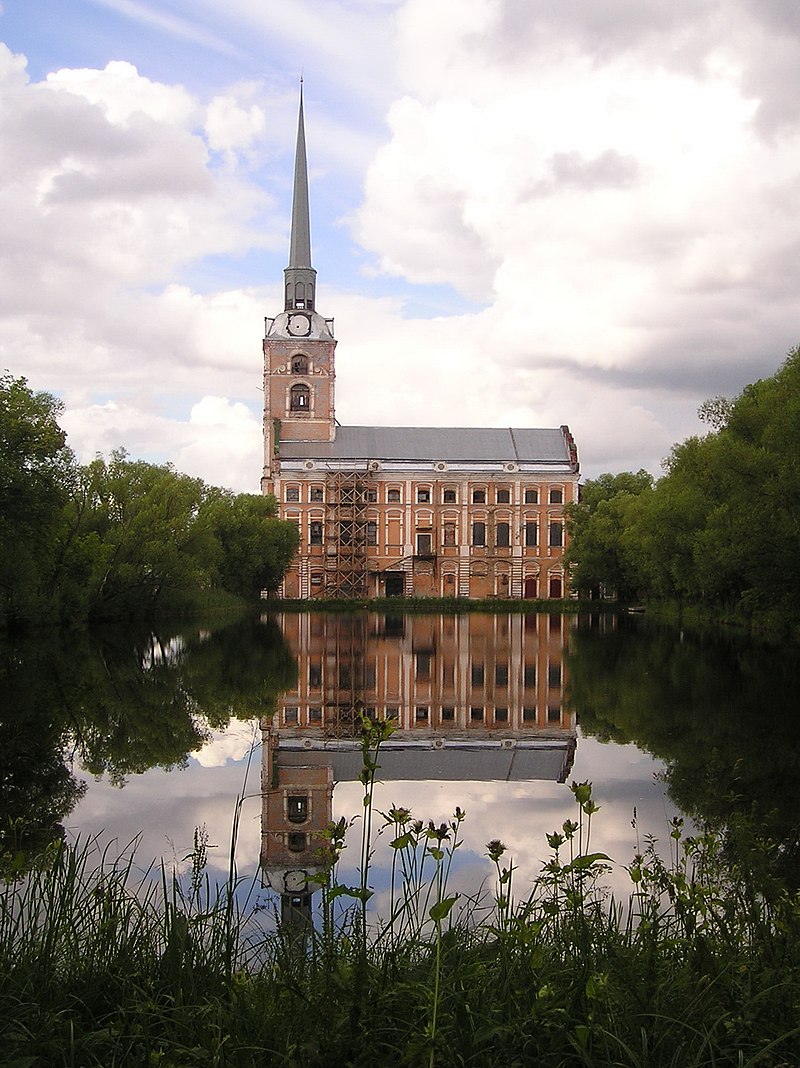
x: 300, y: 248
x: 300, y: 275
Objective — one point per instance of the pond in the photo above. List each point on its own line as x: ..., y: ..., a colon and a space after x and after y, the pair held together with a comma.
x: 162, y: 739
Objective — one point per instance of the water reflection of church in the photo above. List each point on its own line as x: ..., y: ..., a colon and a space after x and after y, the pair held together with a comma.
x: 475, y: 697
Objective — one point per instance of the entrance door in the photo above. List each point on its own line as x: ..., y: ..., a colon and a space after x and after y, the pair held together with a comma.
x: 395, y: 583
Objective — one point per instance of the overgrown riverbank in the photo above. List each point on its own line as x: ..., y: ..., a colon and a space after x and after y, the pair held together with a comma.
x: 102, y: 964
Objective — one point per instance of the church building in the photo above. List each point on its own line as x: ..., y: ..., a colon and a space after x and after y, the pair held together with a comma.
x: 400, y: 511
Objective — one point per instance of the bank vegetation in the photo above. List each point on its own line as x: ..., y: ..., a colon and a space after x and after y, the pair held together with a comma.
x: 720, y: 531
x: 105, y: 963
x: 117, y: 538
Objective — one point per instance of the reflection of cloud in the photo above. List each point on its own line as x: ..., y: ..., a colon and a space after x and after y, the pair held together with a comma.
x: 231, y: 744
x: 166, y: 807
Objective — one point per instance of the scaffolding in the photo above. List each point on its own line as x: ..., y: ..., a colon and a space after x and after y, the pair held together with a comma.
x: 344, y: 677
x: 347, y: 496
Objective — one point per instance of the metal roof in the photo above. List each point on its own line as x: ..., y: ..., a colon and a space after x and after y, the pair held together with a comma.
x: 548, y: 761
x: 456, y: 444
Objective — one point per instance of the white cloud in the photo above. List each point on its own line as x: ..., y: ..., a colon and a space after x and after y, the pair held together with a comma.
x: 613, y: 185
x: 230, y: 127
x: 122, y: 92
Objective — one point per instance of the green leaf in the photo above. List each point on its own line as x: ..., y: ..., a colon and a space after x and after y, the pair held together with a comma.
x: 442, y: 908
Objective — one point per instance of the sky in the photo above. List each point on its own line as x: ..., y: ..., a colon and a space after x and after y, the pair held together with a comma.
x: 523, y: 213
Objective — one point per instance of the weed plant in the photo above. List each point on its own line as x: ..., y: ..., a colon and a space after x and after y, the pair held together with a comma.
x: 101, y: 964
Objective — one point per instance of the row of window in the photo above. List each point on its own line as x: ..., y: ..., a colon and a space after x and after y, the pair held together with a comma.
x: 350, y: 533
x: 422, y: 714
x: 422, y: 672
x: 424, y: 495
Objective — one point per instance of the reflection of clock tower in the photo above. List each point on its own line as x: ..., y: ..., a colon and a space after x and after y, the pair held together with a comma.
x: 298, y: 344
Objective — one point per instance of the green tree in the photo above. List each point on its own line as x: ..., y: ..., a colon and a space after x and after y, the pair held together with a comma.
x: 599, y: 555
x: 255, y: 547
x: 135, y: 531
x: 36, y: 470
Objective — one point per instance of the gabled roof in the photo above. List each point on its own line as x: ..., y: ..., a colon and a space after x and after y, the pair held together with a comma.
x: 454, y: 444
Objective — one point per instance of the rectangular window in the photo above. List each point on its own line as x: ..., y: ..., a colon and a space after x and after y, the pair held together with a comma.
x: 316, y: 578
x: 476, y: 714
x: 556, y: 495
x: 554, y: 676
x: 501, y: 715
x: 423, y: 667
x: 421, y: 713
x: 423, y: 496
x: 393, y: 496
x: 529, y: 715
x: 372, y: 496
x: 531, y: 534
x: 556, y: 535
x: 531, y: 496
x: 478, y: 533
x: 448, y: 713
x: 502, y: 535
x: 476, y: 672
x: 293, y: 493
x: 530, y: 676
x: 315, y: 715
x: 479, y: 496
x: 449, y: 536
x: 372, y: 532
x: 424, y: 545
x: 314, y: 674
x: 315, y: 533
x: 503, y: 496
x: 449, y: 496
x: 501, y: 675
x: 316, y: 494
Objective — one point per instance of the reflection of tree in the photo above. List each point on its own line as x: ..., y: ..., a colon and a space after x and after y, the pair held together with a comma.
x: 121, y: 704
x: 719, y: 711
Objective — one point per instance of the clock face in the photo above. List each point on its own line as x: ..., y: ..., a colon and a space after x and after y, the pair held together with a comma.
x: 299, y: 325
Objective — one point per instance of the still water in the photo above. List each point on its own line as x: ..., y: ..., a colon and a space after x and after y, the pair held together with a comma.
x: 149, y: 737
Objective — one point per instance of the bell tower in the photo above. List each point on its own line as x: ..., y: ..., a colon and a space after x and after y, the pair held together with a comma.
x: 299, y: 344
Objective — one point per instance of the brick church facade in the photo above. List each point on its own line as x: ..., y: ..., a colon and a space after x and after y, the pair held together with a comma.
x: 400, y: 511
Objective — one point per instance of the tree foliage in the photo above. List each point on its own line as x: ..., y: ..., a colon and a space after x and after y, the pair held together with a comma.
x: 36, y: 471
x: 113, y: 538
x: 721, y: 527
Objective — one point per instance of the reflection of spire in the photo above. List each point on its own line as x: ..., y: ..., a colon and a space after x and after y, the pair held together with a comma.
x: 296, y: 809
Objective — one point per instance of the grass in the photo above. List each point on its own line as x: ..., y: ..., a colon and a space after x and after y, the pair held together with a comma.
x: 102, y: 964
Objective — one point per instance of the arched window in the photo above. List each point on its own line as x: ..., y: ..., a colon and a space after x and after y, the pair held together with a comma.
x: 300, y: 398
x: 296, y: 841
x: 299, y: 364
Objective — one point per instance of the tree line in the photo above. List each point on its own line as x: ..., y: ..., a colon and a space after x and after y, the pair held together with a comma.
x: 117, y: 538
x: 720, y: 528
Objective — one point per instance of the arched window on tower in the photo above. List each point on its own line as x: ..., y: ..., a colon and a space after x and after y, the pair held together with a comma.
x: 299, y: 398
x: 299, y: 364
